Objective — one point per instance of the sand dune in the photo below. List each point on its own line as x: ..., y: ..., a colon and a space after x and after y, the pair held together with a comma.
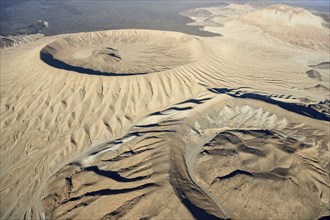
x: 18, y: 39
x: 291, y: 25
x: 139, y: 124
x: 296, y: 27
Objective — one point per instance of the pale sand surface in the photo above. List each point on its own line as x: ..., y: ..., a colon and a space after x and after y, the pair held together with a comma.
x: 140, y: 124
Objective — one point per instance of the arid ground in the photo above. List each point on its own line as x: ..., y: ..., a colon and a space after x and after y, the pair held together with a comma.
x: 151, y: 124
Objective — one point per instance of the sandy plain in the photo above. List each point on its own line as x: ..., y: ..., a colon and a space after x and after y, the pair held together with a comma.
x: 141, y: 124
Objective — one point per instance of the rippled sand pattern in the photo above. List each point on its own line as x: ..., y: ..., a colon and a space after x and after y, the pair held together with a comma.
x: 140, y: 124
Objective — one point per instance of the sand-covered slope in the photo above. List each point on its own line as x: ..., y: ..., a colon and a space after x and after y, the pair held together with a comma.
x: 134, y: 52
x: 292, y: 25
x: 140, y: 124
x: 296, y: 27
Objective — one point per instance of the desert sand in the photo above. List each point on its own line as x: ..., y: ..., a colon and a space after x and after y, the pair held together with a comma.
x: 141, y: 124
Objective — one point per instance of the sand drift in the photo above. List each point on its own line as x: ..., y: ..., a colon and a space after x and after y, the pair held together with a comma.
x: 141, y: 124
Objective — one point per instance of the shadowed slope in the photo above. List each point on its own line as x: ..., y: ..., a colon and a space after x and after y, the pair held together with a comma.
x: 98, y: 146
